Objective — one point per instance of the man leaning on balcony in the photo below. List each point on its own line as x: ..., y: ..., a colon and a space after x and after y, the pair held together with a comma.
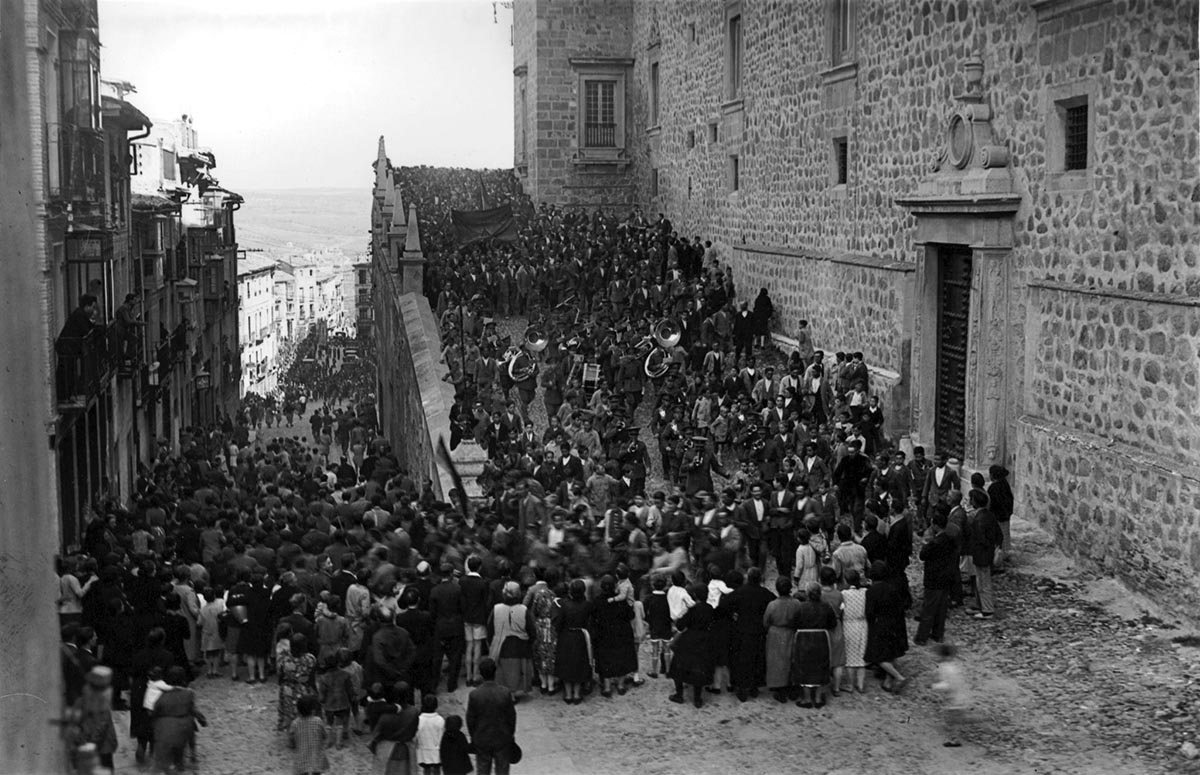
x: 72, y: 346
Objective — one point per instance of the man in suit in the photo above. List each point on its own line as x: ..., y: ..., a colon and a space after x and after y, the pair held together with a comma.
x: 491, y: 721
x: 445, y: 603
x: 985, y: 537
x: 938, y: 483
x: 752, y: 517
x: 940, y: 555
x: 781, y: 526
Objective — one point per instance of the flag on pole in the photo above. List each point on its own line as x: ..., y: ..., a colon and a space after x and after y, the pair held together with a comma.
x: 442, y: 455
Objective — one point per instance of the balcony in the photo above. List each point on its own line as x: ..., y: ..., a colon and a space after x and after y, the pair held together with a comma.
x: 82, y: 365
x: 82, y: 164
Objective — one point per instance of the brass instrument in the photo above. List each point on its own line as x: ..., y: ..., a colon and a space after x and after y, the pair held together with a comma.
x: 518, y: 361
x: 666, y: 333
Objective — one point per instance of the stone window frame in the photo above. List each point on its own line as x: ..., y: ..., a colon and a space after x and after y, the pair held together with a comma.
x: 655, y: 182
x: 845, y: 56
x: 714, y: 132
x: 839, y: 136
x: 610, y: 69
x: 691, y: 139
x: 735, y: 57
x: 733, y: 173
x: 1056, y: 101
x: 654, y: 92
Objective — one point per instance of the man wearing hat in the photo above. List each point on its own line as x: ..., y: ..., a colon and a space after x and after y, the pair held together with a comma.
x: 636, y: 458
x: 698, y: 463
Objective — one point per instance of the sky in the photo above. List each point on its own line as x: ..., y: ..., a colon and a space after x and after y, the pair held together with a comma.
x: 295, y: 93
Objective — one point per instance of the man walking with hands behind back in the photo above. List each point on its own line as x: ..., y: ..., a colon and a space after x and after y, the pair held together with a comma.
x: 492, y: 722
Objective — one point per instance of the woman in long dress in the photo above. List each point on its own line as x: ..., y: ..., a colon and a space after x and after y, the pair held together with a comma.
x: 175, y: 717
x: 543, y: 602
x: 510, y: 625
x: 854, y: 628
x: 612, y: 638
x: 815, y: 620
x: 808, y: 562
x: 780, y: 621
x: 832, y: 596
x: 691, y: 661
x: 296, y: 671
x: 573, y: 657
x: 887, y: 636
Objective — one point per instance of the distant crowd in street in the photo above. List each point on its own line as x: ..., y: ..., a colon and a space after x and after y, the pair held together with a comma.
x: 726, y: 518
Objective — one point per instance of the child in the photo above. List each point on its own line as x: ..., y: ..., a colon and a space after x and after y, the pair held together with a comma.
x: 211, y: 642
x: 454, y: 750
x: 375, y: 704
x: 309, y: 736
x: 953, y: 688
x: 347, y: 662
x: 430, y: 727
x: 334, y: 692
x: 658, y: 619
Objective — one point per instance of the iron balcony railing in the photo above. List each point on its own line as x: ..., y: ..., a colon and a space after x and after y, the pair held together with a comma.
x: 600, y: 135
x: 82, y: 365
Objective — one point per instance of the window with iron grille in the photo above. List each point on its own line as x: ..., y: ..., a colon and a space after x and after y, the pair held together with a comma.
x: 1075, y: 136
x: 841, y: 161
x: 600, y: 115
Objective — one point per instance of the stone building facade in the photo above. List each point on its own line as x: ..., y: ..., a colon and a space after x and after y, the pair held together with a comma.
x: 997, y: 202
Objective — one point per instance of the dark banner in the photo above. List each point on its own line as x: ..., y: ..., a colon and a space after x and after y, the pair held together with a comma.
x: 481, y: 225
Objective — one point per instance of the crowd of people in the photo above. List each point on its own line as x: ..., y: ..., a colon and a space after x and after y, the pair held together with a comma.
x: 753, y: 533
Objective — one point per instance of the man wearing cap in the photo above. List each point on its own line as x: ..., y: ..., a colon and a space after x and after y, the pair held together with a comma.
x: 939, y: 481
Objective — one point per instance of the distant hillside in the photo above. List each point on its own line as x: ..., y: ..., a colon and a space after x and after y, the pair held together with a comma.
x: 286, y: 223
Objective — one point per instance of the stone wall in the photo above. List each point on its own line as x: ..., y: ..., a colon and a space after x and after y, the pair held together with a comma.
x: 580, y: 29
x: 1121, y: 366
x: 852, y: 303
x: 414, y: 398
x: 1128, y: 224
x: 1115, y: 507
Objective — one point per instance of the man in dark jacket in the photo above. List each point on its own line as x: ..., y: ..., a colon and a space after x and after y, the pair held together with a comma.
x: 445, y: 603
x: 940, y: 555
x: 476, y: 607
x: 491, y: 721
x: 985, y: 539
x: 392, y: 653
x: 851, y: 476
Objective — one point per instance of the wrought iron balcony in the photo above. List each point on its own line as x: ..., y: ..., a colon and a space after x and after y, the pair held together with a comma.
x: 83, y: 365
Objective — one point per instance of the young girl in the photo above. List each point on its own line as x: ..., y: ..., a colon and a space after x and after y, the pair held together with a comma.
x: 454, y: 750
x: 211, y: 642
x: 658, y: 619
x: 347, y: 662
x: 309, y: 736
x: 953, y: 687
x: 430, y: 728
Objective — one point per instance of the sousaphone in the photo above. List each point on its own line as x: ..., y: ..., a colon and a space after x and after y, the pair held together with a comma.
x: 667, y: 333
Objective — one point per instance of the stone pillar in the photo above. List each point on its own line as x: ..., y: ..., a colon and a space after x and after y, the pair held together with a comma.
x: 989, y: 361
x: 412, y: 262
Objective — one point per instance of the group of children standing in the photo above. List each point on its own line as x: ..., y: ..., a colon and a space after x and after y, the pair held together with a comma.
x: 441, y: 745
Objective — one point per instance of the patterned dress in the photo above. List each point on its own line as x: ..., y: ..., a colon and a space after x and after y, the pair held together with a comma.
x: 545, y: 643
x: 854, y: 626
x: 295, y: 680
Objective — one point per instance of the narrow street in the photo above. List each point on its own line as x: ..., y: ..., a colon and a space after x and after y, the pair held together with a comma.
x: 1075, y: 675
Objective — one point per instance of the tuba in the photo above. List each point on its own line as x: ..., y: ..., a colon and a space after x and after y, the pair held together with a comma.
x: 536, y: 339
x: 666, y: 333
